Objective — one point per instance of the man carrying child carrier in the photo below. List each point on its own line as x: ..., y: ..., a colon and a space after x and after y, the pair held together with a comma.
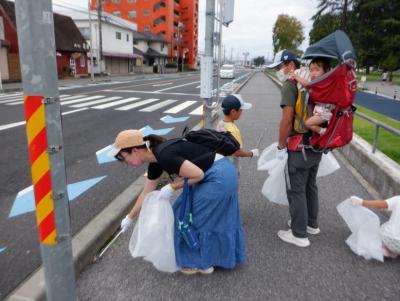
x: 302, y: 166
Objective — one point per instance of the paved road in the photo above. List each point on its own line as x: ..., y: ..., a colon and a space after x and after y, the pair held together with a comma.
x: 92, y: 115
x: 327, y: 270
x: 384, y: 105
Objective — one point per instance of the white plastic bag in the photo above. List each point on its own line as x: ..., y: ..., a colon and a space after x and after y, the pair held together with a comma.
x: 365, y: 239
x: 153, y: 235
x: 274, y: 188
x: 327, y: 165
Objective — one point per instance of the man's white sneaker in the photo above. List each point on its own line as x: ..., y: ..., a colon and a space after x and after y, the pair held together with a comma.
x: 288, y: 237
x: 192, y: 271
x: 310, y: 230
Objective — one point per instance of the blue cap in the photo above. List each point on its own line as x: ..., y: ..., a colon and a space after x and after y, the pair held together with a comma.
x: 282, y: 57
x: 235, y: 101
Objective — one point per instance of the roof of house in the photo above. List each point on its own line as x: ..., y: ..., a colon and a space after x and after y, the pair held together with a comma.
x: 152, y: 53
x: 67, y: 35
x: 138, y: 52
x: 105, y: 17
x: 148, y: 36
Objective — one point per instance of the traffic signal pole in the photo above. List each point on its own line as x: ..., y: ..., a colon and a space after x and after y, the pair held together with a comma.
x: 37, y: 53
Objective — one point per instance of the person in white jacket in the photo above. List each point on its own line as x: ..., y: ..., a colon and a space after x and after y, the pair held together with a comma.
x: 390, y: 231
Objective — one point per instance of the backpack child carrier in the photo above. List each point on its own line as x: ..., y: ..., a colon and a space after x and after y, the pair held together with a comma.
x: 337, y: 87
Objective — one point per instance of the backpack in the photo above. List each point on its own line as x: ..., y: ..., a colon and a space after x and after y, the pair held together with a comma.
x: 301, y: 112
x: 220, y: 142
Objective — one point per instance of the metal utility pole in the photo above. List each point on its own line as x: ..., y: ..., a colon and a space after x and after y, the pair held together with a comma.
x: 91, y: 43
x: 37, y: 54
x: 206, y: 75
x: 100, y: 36
x: 220, y: 16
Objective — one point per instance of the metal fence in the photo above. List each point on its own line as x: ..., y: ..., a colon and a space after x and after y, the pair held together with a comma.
x: 378, y: 125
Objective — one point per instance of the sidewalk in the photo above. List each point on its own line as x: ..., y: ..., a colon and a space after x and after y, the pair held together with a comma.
x: 382, y: 88
x: 327, y: 270
x: 10, y: 87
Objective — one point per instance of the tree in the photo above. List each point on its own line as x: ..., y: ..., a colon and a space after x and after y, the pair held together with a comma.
x: 377, y: 33
x: 335, y: 7
x: 287, y: 33
x: 258, y: 61
x: 323, y: 26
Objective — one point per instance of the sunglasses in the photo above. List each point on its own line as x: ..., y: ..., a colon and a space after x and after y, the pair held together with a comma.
x: 119, y: 157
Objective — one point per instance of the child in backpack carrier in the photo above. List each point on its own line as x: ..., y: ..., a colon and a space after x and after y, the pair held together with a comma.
x: 322, y: 112
x: 232, y: 107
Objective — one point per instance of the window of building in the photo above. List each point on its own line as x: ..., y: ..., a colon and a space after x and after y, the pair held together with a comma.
x: 135, y: 42
x: 127, y: 37
x: 83, y: 60
x: 147, y: 28
x: 116, y: 1
x: 146, y: 13
x: 131, y: 1
x: 117, y: 13
x: 132, y: 14
x: 118, y: 35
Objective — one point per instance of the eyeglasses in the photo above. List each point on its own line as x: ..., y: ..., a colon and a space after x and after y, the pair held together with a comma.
x: 119, y: 157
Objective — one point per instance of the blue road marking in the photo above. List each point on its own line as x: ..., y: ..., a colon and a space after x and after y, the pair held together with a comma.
x: 25, y: 199
x: 2, y: 249
x: 169, y: 119
x: 148, y: 130
x: 102, y: 155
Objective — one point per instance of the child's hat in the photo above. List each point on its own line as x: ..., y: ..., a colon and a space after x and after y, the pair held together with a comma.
x: 235, y: 101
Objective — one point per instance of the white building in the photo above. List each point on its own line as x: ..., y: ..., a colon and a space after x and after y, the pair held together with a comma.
x: 117, y: 41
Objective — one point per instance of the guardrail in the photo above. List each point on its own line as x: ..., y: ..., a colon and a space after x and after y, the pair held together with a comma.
x: 378, y: 125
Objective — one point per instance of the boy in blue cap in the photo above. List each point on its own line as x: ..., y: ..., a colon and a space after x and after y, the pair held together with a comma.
x: 232, y: 107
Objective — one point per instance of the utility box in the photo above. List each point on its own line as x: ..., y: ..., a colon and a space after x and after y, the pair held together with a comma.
x: 228, y: 8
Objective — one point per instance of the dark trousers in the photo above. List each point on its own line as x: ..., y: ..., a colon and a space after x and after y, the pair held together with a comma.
x: 302, y: 190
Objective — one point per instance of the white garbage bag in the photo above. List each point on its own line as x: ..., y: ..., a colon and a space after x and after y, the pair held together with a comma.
x: 364, y: 224
x: 153, y: 235
x: 328, y: 165
x: 274, y: 188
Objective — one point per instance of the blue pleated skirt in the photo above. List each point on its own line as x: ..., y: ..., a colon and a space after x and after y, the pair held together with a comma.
x: 216, y: 218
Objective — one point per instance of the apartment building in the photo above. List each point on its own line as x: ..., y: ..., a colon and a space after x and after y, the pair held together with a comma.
x: 175, y: 20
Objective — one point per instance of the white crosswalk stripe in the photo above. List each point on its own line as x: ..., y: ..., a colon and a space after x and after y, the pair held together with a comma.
x: 95, y: 102
x: 158, y: 105
x: 3, y: 96
x: 198, y: 111
x: 63, y: 103
x: 115, y: 103
x: 137, y: 104
x: 11, y: 100
x: 180, y: 107
x: 14, y: 103
x: 72, y: 97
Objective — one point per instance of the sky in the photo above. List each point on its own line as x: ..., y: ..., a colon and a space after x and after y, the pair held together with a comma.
x: 251, y: 29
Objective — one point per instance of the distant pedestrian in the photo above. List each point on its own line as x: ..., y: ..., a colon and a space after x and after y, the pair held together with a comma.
x: 390, y: 231
x: 302, y: 167
x: 215, y: 211
x: 232, y: 107
x: 384, y: 76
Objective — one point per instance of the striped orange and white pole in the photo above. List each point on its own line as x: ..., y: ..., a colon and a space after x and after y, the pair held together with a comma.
x: 35, y: 117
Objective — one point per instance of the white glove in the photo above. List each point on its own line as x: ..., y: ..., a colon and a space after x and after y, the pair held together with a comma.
x: 126, y: 223
x: 255, y: 152
x: 166, y: 192
x: 356, y: 201
x: 280, y: 153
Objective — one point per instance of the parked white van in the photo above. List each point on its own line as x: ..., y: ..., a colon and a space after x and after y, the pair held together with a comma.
x: 227, y: 71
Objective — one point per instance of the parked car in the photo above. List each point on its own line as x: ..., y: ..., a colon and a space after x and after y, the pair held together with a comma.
x: 227, y: 71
